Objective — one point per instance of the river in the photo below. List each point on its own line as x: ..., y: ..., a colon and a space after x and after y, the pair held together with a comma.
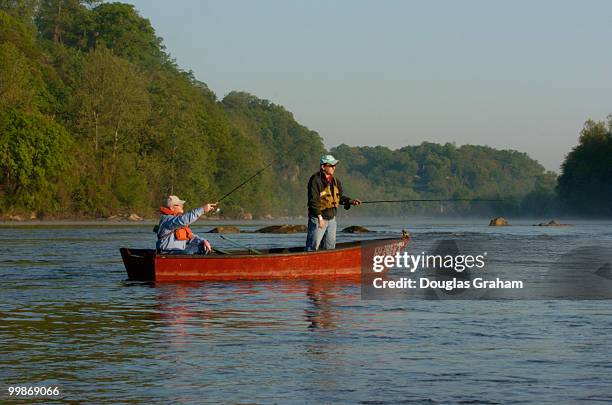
x: 69, y: 319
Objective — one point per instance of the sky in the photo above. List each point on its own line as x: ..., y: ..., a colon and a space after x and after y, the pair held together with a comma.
x: 521, y: 75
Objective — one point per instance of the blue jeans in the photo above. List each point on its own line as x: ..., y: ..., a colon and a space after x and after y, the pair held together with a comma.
x: 321, y: 238
x: 193, y: 247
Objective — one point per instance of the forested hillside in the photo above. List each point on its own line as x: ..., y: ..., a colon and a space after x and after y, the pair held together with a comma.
x: 96, y: 119
x: 445, y: 171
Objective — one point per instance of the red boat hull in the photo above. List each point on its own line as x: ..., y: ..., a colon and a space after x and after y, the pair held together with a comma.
x: 343, y: 262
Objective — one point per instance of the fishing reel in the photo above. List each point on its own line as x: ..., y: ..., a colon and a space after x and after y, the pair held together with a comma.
x: 212, y: 212
x: 347, y: 205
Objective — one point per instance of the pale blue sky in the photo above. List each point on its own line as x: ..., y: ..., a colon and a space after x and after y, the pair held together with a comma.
x: 523, y: 75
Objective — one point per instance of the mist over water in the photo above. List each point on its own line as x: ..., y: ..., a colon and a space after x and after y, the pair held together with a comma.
x: 69, y: 318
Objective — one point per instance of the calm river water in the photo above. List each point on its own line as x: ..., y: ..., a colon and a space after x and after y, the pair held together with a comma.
x: 69, y: 319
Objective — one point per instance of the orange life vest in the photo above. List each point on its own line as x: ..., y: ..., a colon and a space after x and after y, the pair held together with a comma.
x: 183, y: 233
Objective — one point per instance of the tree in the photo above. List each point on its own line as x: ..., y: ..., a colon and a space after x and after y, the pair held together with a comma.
x: 20, y: 85
x: 185, y: 134
x: 23, y: 10
x: 113, y: 105
x: 32, y: 154
x: 585, y: 184
x: 18, y: 34
x: 66, y: 21
x: 119, y: 27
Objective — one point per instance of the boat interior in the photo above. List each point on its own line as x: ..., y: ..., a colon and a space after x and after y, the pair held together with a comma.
x: 241, y: 252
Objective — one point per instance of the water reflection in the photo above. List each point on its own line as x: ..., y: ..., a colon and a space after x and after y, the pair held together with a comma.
x: 321, y: 296
x: 243, y: 304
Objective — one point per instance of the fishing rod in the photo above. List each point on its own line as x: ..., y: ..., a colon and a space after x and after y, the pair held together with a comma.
x: 347, y: 206
x: 240, y: 245
x: 246, y: 181
x: 431, y: 200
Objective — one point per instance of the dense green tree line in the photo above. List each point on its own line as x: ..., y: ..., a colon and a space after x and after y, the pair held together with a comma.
x: 585, y: 184
x: 97, y: 119
x: 445, y: 171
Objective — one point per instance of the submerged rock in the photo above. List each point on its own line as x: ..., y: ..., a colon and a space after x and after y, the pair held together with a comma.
x: 283, y: 229
x: 552, y: 222
x: 498, y: 221
x: 356, y: 229
x: 225, y: 229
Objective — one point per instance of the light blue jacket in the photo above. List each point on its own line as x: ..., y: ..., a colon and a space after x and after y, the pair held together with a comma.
x: 170, y: 223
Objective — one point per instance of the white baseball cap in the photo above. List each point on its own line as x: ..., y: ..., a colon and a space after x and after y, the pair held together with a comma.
x: 174, y: 200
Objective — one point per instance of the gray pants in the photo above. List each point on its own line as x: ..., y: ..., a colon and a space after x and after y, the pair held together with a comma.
x: 320, y: 238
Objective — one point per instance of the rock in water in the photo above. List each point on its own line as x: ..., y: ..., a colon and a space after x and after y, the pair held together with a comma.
x: 356, y: 229
x: 283, y: 229
x: 498, y: 221
x: 225, y: 229
x: 552, y: 222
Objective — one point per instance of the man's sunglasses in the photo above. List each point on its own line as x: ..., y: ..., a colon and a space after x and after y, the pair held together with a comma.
x: 330, y: 165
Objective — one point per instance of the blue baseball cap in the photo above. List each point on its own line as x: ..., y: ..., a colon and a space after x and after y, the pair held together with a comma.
x: 328, y: 160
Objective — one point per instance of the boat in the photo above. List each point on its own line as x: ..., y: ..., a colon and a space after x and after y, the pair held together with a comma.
x: 345, y: 261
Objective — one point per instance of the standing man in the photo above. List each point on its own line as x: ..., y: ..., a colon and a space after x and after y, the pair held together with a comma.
x: 173, y: 233
x: 324, y: 197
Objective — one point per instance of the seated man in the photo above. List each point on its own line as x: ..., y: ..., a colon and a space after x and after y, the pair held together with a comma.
x: 173, y: 233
